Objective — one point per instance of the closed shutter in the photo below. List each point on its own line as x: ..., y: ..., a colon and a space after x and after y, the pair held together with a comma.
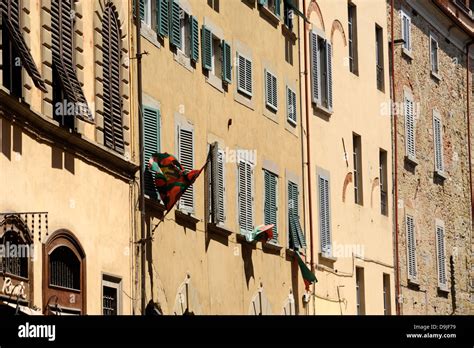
x: 438, y: 142
x: 440, y: 248
x: 186, y: 159
x: 248, y: 76
x: 411, y: 248
x: 194, y: 30
x: 271, y: 90
x: 245, y: 184
x: 409, y: 129
x: 315, y: 69
x: 113, y: 124
x: 226, y: 62
x: 291, y: 105
x: 329, y: 74
x: 175, y: 24
x: 162, y: 17
x: 151, y: 144
x: 244, y: 75
x: 324, y: 217
x: 270, y: 204
x: 206, y: 42
x: 11, y: 22
x: 218, y: 186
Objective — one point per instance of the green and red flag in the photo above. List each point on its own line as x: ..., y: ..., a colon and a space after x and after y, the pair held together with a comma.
x: 262, y: 232
x: 308, y: 276
x: 171, y: 179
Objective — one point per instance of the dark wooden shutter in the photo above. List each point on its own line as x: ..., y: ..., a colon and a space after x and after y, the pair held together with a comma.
x: 113, y: 127
x: 11, y: 22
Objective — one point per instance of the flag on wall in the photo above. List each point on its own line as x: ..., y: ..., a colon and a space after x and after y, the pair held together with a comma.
x: 308, y: 276
x: 171, y: 179
x: 262, y: 232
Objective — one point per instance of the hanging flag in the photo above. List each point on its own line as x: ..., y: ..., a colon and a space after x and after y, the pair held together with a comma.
x: 308, y: 276
x: 262, y: 232
x: 171, y: 179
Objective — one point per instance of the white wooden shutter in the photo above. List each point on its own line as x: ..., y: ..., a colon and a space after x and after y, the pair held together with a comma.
x: 270, y: 202
x: 220, y: 187
x: 186, y: 158
x: 438, y: 142
x: 244, y: 75
x: 329, y: 74
x: 271, y: 98
x: 315, y: 69
x: 324, y: 216
x: 411, y: 248
x: 248, y: 77
x: 291, y: 105
x: 441, y: 257
x: 409, y: 129
x: 245, y: 184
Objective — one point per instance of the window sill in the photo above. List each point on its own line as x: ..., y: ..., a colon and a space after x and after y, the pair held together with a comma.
x: 243, y: 99
x: 441, y: 174
x: 326, y: 257
x: 241, y: 237
x: 154, y: 204
x: 435, y: 76
x: 412, y: 160
x: 413, y: 281
x: 185, y: 217
x: 288, y: 32
x: 183, y: 60
x: 323, y: 109
x: 271, y: 246
x: 407, y: 53
x: 218, y: 229
x: 272, y: 17
x: 150, y: 35
x: 215, y: 82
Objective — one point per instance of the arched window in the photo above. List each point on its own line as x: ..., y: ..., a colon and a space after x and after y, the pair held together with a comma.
x: 67, y: 90
x: 113, y: 127
x: 64, y: 269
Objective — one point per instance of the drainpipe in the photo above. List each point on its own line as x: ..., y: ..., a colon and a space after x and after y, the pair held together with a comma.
x: 308, y: 145
x: 142, y: 160
x: 468, y: 46
x: 395, y: 163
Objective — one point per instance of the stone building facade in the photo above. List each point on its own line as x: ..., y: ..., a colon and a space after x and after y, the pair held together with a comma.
x: 432, y: 159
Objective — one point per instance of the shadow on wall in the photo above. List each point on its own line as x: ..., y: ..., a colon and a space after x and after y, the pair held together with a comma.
x: 62, y: 160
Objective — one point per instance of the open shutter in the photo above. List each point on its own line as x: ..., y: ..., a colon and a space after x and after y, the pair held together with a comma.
x: 226, y: 62
x: 175, y: 24
x: 142, y: 10
x: 218, y: 185
x: 409, y: 129
x: 151, y: 131
x: 329, y: 73
x: 249, y: 182
x: 411, y: 248
x: 270, y: 205
x: 441, y: 256
x: 277, y: 8
x: 242, y: 186
x: 315, y: 69
x: 324, y: 217
x: 194, y: 30
x: 186, y: 159
x: 206, y: 42
x: 438, y: 143
x: 162, y: 17
x: 248, y: 76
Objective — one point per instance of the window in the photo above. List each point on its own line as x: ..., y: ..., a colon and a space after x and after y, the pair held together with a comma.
x: 379, y: 57
x: 217, y: 185
x: 411, y: 249
x: 245, y: 196
x: 434, y: 55
x: 291, y: 106
x: 185, y: 29
x: 244, y: 75
x: 111, y: 51
x: 176, y: 14
x: 15, y: 264
x: 438, y: 143
x: 288, y: 15
x: 186, y: 159
x: 145, y: 11
x: 151, y: 144
x: 270, y: 209
x: 321, y: 71
x: 214, y: 4
x: 111, y: 289
x: 383, y: 181
x: 352, y: 31
x: 360, y: 291
x: 216, y: 55
x: 272, y: 5
x: 406, y: 31
x: 296, y: 238
x: 441, y: 257
x: 409, y: 128
x: 67, y: 89
x: 64, y: 269
x: 387, y: 298
x: 324, y: 216
x: 15, y: 52
x: 289, y: 43
x: 357, y: 163
x: 162, y: 17
x: 271, y: 91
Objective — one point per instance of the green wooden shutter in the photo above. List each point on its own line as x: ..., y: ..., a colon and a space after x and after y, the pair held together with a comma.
x: 263, y: 2
x: 226, y: 62
x: 194, y: 30
x: 175, y: 24
x: 162, y: 18
x: 151, y: 144
x: 142, y: 10
x: 277, y: 8
x: 206, y: 42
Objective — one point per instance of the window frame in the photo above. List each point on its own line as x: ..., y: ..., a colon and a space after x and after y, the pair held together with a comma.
x: 407, y: 45
x: 352, y: 38
x: 434, y: 50
x: 114, y: 283
x: 244, y: 91
x: 273, y: 86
